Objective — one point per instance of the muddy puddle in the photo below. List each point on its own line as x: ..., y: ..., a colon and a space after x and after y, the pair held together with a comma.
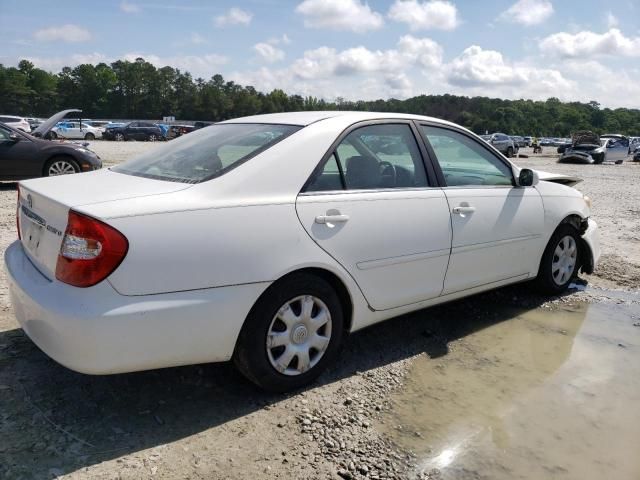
x: 546, y: 394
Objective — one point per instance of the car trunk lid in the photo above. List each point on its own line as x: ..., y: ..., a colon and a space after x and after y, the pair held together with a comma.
x: 44, y: 206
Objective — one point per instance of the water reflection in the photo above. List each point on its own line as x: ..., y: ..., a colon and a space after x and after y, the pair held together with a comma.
x: 547, y: 394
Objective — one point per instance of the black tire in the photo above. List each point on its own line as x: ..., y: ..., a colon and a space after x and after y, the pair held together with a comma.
x: 53, y: 135
x: 251, y: 356
x: 152, y: 137
x: 89, y: 136
x: 60, y: 162
x: 545, y: 280
x: 509, y: 152
x: 119, y: 137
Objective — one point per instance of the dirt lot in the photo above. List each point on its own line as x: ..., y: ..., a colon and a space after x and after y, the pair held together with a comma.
x: 365, y: 418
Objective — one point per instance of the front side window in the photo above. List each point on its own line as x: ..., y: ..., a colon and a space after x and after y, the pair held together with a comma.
x: 206, y: 153
x: 373, y: 157
x: 4, y: 135
x: 464, y: 161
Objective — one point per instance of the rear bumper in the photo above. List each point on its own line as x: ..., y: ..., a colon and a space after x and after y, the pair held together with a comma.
x: 98, y: 331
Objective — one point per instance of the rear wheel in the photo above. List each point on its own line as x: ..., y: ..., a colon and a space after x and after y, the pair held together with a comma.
x: 152, y: 137
x: 559, y: 264
x: 509, y: 152
x: 89, y: 136
x: 60, y: 166
x: 291, y: 334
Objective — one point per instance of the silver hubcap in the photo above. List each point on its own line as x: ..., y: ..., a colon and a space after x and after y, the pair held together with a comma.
x: 61, y: 168
x: 152, y: 138
x: 564, y: 260
x: 299, y: 335
x: 119, y: 137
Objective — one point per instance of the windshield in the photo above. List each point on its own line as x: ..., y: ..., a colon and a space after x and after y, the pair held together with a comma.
x: 207, y: 153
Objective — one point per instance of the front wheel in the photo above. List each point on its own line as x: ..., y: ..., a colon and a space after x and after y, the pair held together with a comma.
x: 152, y: 137
x: 89, y: 136
x: 119, y: 137
x: 291, y: 334
x: 60, y: 166
x: 559, y: 264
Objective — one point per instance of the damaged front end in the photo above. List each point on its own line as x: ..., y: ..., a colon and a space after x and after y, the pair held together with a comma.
x: 586, y: 147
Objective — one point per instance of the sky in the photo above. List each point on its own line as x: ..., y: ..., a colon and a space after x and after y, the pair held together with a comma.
x: 355, y: 49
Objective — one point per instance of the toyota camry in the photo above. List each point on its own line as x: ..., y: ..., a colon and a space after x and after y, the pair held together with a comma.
x: 266, y: 240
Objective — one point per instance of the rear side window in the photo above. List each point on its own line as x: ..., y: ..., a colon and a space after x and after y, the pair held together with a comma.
x: 207, y: 153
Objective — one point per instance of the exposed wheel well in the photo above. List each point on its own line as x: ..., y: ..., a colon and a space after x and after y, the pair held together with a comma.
x: 586, y: 256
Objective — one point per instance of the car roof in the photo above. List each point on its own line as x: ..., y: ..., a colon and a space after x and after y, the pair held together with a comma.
x: 12, y: 116
x: 307, y: 118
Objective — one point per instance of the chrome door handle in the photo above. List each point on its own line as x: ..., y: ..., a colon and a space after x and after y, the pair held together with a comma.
x: 324, y: 219
x: 464, y: 209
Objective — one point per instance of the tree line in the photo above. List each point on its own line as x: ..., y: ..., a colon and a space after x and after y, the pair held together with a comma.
x: 139, y: 90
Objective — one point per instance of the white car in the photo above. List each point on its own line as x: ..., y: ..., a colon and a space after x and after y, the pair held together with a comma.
x: 18, y: 123
x: 76, y: 130
x: 267, y: 239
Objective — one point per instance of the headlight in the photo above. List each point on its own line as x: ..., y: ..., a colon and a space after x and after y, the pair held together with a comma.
x: 86, y: 150
x: 587, y: 200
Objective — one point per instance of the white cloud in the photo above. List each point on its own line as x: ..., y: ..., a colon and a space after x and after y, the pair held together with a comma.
x: 129, y: 7
x: 234, y: 16
x: 612, y: 20
x: 429, y: 15
x: 476, y: 66
x: 198, y: 65
x: 486, y: 72
x: 587, y: 44
x: 268, y: 52
x: 284, y: 40
x: 197, y: 39
x: 64, y: 33
x: 424, y: 51
x: 528, y: 12
x: 352, y: 15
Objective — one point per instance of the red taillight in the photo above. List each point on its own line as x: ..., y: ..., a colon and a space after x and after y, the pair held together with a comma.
x: 18, y: 216
x: 91, y: 250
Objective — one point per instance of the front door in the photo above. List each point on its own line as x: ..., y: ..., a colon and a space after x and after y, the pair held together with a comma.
x: 18, y: 157
x: 371, y: 207
x: 497, y: 227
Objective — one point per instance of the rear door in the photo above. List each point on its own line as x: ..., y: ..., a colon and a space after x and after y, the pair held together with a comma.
x: 371, y: 206
x: 497, y: 227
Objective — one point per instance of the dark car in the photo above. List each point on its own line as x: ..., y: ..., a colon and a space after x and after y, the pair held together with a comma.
x: 179, y: 130
x: 134, y: 131
x: 25, y: 156
x: 198, y: 125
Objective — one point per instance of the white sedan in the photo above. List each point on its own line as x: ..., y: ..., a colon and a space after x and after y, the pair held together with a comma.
x: 76, y: 130
x: 268, y: 239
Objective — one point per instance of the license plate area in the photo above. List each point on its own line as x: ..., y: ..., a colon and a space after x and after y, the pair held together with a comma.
x: 33, y: 227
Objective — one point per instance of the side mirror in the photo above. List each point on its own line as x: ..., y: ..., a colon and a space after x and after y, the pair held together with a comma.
x: 527, y: 178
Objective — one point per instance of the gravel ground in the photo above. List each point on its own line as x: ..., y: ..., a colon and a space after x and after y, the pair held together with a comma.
x: 207, y: 422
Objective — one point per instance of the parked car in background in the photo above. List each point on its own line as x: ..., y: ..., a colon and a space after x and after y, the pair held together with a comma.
x: 636, y: 155
x: 546, y: 142
x: 16, y: 122
x: 634, y: 142
x: 502, y: 143
x: 528, y: 141
x: 519, y: 141
x: 265, y: 240
x: 588, y: 147
x: 198, y: 125
x: 25, y: 156
x: 133, y: 131
x: 75, y: 130
x: 566, y: 143
x: 179, y: 130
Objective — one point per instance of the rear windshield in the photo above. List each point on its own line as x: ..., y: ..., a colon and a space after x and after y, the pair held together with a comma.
x: 206, y: 153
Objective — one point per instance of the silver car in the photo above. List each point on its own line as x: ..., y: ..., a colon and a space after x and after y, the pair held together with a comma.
x: 502, y: 142
x: 587, y: 147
